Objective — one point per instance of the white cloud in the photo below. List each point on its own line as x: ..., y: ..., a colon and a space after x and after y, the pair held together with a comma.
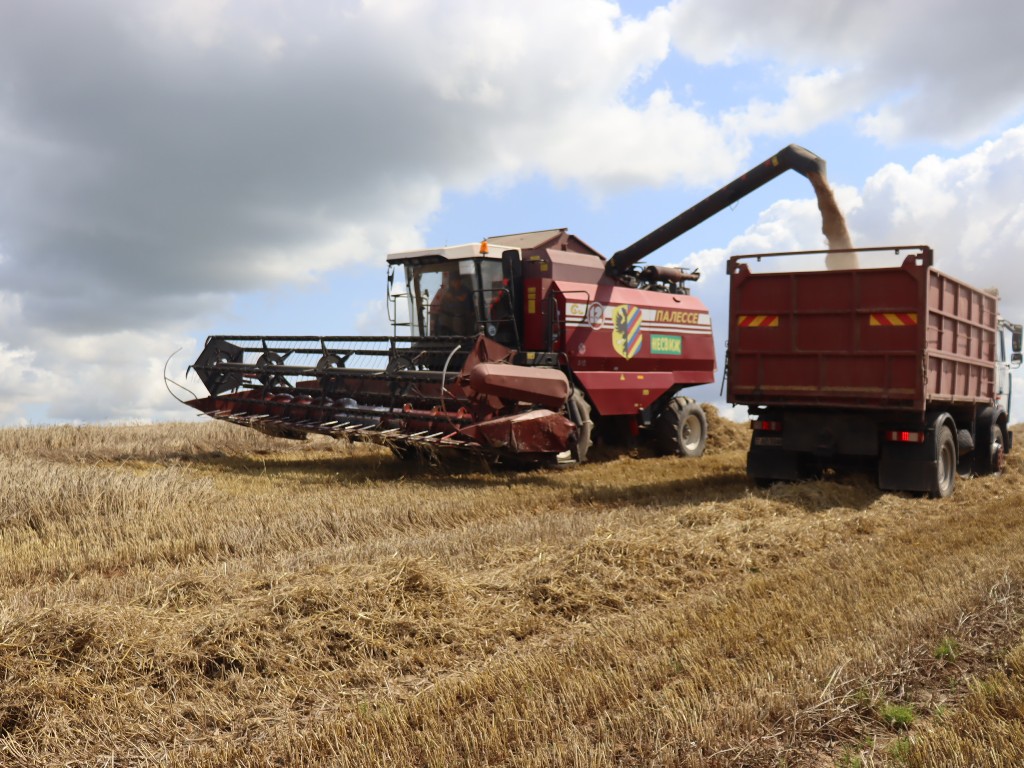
x: 22, y: 382
x: 104, y: 377
x: 175, y: 152
x: 943, y: 70
x: 969, y: 208
x: 373, y: 319
x: 810, y: 101
x: 629, y: 147
x: 198, y: 20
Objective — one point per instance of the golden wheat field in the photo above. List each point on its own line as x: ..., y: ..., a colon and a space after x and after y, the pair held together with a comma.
x: 202, y: 595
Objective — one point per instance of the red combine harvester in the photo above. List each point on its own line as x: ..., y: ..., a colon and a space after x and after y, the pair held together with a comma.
x: 526, y: 348
x: 900, y: 368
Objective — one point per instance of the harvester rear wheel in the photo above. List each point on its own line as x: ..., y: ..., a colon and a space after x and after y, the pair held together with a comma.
x: 682, y: 428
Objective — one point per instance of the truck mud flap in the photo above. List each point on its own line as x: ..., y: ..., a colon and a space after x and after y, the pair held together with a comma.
x: 773, y: 464
x: 905, y: 468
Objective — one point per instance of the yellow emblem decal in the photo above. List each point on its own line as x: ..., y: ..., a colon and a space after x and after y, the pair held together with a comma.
x: 626, y: 336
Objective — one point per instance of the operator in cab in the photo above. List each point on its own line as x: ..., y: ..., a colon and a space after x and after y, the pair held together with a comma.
x: 454, y: 307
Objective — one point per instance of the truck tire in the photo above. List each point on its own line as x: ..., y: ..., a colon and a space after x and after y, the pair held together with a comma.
x: 990, y: 443
x: 945, y: 463
x: 682, y: 429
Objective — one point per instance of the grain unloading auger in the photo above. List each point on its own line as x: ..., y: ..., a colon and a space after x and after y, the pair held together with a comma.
x: 525, y: 347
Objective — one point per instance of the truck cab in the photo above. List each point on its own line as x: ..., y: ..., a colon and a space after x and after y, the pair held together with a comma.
x: 1009, y: 357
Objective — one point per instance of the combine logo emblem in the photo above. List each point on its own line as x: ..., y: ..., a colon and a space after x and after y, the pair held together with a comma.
x: 626, y: 336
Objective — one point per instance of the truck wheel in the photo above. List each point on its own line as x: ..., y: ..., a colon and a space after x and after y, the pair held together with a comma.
x: 945, y: 464
x: 990, y: 443
x: 682, y: 429
x: 579, y: 412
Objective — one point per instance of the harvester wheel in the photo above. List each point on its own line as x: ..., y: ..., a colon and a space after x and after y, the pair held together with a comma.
x: 579, y: 412
x: 682, y: 428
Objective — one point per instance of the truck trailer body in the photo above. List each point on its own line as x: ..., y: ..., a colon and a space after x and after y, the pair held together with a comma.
x: 900, y: 368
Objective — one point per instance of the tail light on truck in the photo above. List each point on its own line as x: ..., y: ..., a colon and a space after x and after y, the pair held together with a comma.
x: 771, y: 426
x: 903, y: 436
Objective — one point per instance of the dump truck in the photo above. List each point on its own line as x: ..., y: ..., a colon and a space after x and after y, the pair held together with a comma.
x: 901, y: 369
x: 523, y: 348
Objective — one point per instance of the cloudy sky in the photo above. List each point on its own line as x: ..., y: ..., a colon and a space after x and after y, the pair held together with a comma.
x: 175, y: 168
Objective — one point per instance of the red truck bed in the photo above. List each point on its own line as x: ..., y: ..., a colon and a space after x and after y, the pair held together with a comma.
x: 891, y: 338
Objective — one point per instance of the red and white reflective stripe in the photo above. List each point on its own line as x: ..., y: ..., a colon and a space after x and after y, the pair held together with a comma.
x: 758, y: 321
x: 768, y: 426
x: 903, y: 436
x: 897, y: 319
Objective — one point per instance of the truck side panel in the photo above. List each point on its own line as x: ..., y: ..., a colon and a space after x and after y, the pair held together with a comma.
x: 962, y: 329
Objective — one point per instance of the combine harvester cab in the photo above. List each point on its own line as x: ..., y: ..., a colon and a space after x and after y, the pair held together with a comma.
x: 524, y: 348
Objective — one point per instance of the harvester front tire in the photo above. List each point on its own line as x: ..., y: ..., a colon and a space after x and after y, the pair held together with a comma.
x: 682, y: 429
x: 579, y: 412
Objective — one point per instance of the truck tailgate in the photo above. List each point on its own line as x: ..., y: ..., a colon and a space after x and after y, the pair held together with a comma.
x: 895, y: 337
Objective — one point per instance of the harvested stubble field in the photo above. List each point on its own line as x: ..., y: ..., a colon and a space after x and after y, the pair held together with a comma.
x: 203, y: 595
